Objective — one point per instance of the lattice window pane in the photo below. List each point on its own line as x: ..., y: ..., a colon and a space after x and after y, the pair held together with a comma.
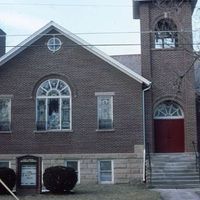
x: 168, y: 109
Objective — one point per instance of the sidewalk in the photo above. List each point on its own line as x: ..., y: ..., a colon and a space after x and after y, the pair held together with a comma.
x: 179, y: 194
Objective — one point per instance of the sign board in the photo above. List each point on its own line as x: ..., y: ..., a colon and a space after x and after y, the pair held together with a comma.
x: 28, y: 174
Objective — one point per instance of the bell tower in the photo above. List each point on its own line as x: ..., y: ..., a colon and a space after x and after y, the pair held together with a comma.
x: 167, y: 61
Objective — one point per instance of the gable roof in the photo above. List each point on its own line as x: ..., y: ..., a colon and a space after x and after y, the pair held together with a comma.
x: 132, y: 61
x: 52, y: 25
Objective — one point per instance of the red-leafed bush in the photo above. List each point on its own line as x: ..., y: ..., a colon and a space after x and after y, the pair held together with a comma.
x: 59, y: 179
x: 8, y: 176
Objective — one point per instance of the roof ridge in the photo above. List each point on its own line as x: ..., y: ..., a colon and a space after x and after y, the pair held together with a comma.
x: 35, y: 36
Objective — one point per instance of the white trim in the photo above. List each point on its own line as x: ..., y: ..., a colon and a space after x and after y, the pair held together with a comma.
x: 52, y: 25
x: 43, y: 188
x: 6, y: 96
x: 104, y: 93
x: 170, y: 117
x: 112, y: 172
x: 78, y: 166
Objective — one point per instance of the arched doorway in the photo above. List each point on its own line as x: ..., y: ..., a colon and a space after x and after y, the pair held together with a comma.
x: 169, y: 128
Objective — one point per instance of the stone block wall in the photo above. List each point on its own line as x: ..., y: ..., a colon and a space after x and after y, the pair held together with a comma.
x: 127, y: 167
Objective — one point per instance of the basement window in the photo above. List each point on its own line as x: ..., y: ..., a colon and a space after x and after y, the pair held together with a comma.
x: 106, y: 174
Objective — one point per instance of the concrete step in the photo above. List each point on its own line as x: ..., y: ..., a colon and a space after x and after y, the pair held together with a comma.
x: 172, y: 157
x: 185, y: 159
x: 177, y: 174
x: 174, y: 171
x: 177, y: 182
x: 175, y: 186
x: 175, y: 178
x: 174, y: 165
x: 169, y: 171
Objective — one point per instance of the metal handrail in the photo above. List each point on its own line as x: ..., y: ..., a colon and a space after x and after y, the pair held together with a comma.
x: 197, y: 158
x: 7, y: 188
x: 148, y: 159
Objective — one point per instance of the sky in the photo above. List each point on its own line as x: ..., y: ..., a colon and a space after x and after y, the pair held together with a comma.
x: 96, y: 21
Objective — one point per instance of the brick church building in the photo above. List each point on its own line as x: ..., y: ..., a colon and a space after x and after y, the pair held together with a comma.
x: 64, y: 102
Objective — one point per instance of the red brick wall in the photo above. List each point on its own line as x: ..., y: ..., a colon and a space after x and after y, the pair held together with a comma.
x: 86, y: 74
x: 163, y: 67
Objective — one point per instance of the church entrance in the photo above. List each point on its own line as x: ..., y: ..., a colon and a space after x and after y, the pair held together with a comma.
x: 169, y: 128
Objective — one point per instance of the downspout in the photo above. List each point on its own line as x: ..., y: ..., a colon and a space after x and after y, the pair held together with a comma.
x: 144, y: 130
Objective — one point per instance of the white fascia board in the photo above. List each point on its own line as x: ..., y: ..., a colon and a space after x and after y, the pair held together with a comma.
x: 102, y: 55
x: 52, y: 25
x: 24, y: 44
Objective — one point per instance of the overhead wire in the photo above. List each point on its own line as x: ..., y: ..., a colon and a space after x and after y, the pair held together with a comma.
x: 65, y: 5
x: 101, y: 45
x: 70, y: 5
x: 104, y: 33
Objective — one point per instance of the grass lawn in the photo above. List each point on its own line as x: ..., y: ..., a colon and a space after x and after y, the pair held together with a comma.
x: 97, y: 192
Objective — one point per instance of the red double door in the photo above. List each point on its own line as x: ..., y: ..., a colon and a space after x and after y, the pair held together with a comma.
x: 169, y: 135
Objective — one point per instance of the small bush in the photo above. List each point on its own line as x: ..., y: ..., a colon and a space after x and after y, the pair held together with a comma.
x: 59, y: 179
x: 8, y: 176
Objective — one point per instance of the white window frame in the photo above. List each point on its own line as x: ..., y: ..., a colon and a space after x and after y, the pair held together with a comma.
x: 6, y: 161
x: 54, y: 47
x: 78, y: 166
x: 3, y: 97
x: 46, y: 98
x: 100, y: 95
x: 112, y: 172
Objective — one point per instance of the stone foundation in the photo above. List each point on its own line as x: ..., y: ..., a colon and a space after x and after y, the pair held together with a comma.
x: 127, y: 167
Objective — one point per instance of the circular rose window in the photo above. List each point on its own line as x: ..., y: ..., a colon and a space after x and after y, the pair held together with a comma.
x: 54, y: 44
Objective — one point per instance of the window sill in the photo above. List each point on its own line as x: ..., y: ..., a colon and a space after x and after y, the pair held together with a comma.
x: 167, y: 49
x: 5, y: 132
x: 105, y: 130
x: 53, y: 131
x: 106, y: 182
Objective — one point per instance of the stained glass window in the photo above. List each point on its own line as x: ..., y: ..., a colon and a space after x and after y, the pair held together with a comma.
x: 5, y: 114
x: 105, y: 112
x: 168, y: 109
x: 53, y: 105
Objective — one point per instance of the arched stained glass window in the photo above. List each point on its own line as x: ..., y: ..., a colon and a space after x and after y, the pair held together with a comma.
x: 53, y: 105
x: 166, y: 34
x: 168, y: 110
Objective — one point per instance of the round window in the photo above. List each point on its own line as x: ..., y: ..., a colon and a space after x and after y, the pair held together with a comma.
x: 54, y: 44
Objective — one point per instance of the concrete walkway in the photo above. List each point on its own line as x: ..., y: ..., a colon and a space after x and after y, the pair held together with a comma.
x: 179, y: 194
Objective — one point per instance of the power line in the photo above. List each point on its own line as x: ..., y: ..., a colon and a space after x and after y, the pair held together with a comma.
x: 101, y: 45
x: 68, y: 5
x: 104, y: 33
x: 75, y: 45
x: 65, y: 5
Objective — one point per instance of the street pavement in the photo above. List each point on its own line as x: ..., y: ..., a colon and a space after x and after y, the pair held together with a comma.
x: 179, y: 194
